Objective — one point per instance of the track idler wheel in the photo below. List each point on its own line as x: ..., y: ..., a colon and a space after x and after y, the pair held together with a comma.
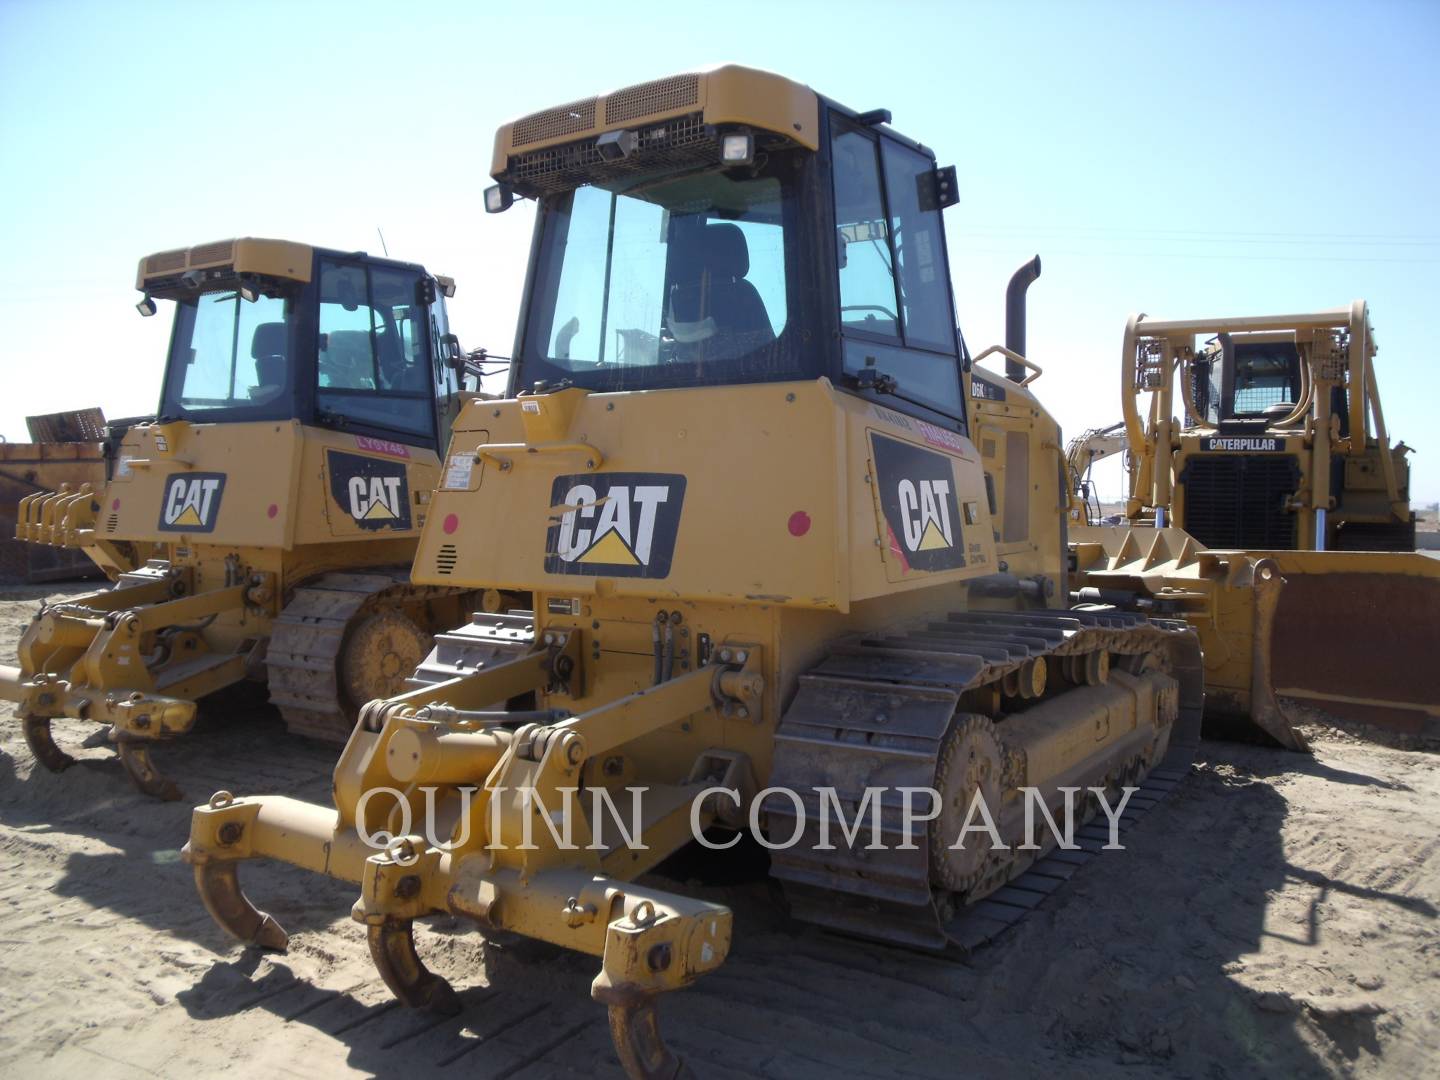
x: 635, y: 1030
x: 135, y: 756
x: 218, y: 883
x: 392, y: 947
x: 42, y: 744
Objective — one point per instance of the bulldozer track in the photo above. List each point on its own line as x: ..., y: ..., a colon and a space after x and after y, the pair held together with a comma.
x: 309, y: 637
x: 877, y: 712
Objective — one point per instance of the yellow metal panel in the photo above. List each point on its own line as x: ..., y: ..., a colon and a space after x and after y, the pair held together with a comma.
x: 270, y: 486
x: 740, y: 95
x: 225, y: 480
x: 753, y: 524
x: 247, y: 255
x: 730, y: 94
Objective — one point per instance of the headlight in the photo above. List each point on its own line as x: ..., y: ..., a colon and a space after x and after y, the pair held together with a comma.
x: 497, y: 198
x: 737, y: 148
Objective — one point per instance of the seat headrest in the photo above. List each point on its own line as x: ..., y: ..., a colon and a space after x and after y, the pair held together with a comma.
x: 268, y: 340
x: 726, y: 253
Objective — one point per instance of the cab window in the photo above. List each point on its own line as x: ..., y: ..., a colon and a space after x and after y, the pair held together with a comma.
x: 230, y: 353
x: 374, y: 363
x: 896, y: 314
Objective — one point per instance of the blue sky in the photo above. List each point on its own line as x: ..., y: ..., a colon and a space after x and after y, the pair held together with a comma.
x: 1184, y: 160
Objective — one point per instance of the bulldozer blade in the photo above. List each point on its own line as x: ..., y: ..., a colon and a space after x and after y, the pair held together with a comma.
x: 635, y: 1031
x: 392, y: 947
x: 218, y: 882
x: 1349, y: 636
x: 42, y: 743
x: 135, y: 756
x: 1289, y: 637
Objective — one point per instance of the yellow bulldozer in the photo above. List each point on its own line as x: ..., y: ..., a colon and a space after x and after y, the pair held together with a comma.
x: 780, y: 558
x: 261, y: 525
x: 1274, y: 516
x: 1281, y: 444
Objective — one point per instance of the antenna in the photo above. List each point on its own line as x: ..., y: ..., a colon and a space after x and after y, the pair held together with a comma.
x: 383, y: 248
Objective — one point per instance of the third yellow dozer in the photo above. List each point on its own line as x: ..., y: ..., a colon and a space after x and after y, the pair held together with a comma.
x: 738, y: 469
x: 1272, y: 514
x: 1281, y: 443
x: 262, y: 523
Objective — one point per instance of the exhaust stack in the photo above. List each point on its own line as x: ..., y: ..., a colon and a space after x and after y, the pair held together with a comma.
x: 1015, y: 315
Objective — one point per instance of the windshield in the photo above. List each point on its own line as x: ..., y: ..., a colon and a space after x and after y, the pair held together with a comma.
x: 672, y: 279
x: 1267, y: 379
x: 228, y: 353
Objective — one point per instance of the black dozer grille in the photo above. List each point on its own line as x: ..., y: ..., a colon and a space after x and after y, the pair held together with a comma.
x: 1238, y: 500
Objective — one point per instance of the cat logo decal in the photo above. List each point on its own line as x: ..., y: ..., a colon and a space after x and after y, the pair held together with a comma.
x: 191, y: 502
x: 614, y: 524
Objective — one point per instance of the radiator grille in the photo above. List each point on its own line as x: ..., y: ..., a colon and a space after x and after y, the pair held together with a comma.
x: 647, y: 99
x: 552, y: 123
x: 1238, y: 500
x: 445, y: 560
x: 681, y: 141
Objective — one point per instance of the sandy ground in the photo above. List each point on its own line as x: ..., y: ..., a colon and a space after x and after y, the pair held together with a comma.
x: 1277, y: 915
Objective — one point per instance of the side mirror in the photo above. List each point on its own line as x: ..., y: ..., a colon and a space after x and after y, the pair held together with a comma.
x: 451, y: 355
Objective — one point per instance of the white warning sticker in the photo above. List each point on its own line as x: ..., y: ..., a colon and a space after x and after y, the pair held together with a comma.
x: 457, y: 472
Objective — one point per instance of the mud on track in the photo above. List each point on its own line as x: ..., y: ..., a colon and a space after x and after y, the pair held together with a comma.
x: 1275, y: 913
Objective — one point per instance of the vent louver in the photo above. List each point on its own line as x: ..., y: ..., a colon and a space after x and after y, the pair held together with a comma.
x: 165, y: 261
x: 647, y: 99
x: 221, y: 251
x: 552, y: 123
x: 446, y: 559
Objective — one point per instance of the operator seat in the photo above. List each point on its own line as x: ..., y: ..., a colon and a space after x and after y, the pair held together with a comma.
x: 714, y: 312
x: 268, y: 349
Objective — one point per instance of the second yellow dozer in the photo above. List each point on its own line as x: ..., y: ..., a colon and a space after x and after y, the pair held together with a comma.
x: 772, y: 573
x: 261, y: 525
x: 1275, y: 519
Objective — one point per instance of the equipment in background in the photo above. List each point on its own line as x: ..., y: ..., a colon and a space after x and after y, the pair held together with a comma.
x: 1281, y: 443
x: 1275, y: 519
x: 63, y: 453
x: 261, y: 524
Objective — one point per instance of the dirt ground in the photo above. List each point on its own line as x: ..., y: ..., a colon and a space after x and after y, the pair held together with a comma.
x: 1275, y: 915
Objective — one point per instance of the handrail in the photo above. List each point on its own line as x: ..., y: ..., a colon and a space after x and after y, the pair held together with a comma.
x: 495, y: 451
x: 1010, y: 354
x: 146, y: 463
